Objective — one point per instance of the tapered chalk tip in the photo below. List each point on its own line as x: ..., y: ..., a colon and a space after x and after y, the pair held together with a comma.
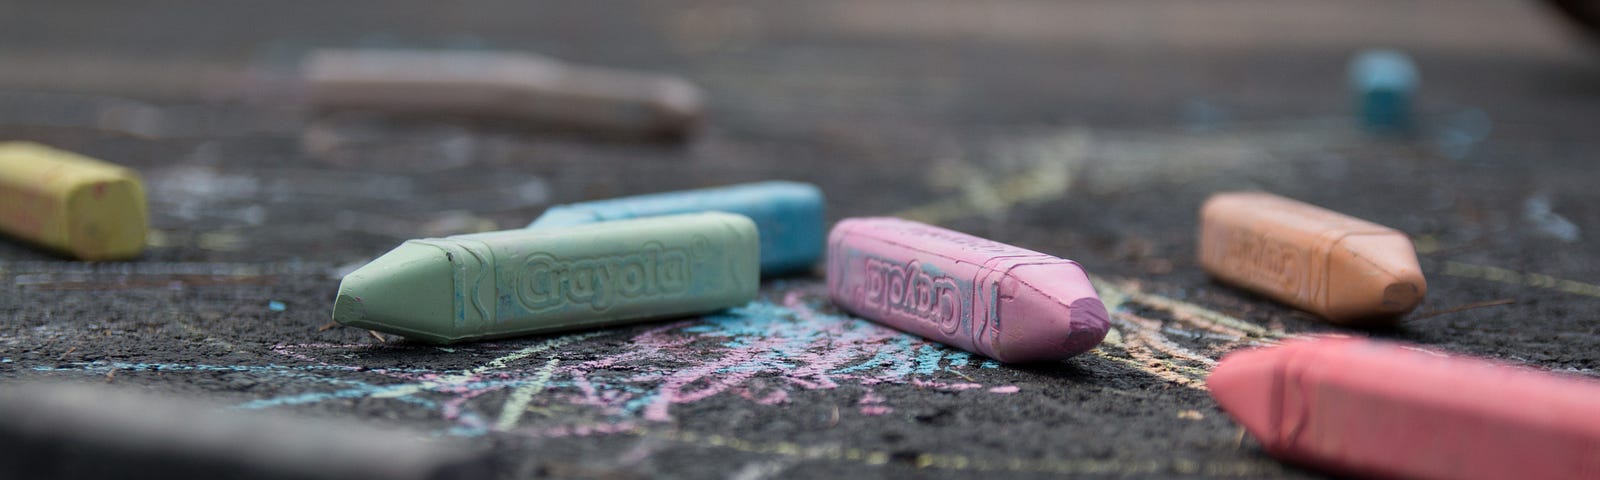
x: 678, y: 108
x: 1374, y: 279
x: 680, y: 99
x: 1089, y: 324
x: 349, y: 311
x: 1403, y: 295
x: 409, y: 291
x: 1248, y: 384
x: 1055, y: 316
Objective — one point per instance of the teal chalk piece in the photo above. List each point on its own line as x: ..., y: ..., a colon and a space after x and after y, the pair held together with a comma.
x: 789, y: 216
x: 1385, y: 85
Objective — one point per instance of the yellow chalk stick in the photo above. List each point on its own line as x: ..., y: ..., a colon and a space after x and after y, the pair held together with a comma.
x: 90, y: 209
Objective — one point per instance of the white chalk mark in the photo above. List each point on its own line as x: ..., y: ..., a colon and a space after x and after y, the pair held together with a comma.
x: 1537, y: 211
x: 511, y: 413
x: 475, y: 373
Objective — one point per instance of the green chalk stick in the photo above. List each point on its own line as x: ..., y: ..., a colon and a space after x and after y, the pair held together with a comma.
x: 519, y: 282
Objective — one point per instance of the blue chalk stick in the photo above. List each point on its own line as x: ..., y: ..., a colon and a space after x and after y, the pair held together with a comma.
x: 788, y: 215
x: 1384, y: 83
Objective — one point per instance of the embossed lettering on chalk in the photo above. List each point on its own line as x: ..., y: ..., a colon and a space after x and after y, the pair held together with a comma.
x: 548, y: 282
x: 912, y: 292
x: 1264, y: 258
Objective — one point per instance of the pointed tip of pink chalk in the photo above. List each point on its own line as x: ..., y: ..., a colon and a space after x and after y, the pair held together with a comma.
x: 1248, y: 384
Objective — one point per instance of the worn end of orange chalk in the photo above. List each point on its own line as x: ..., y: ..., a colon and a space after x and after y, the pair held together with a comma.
x: 1374, y: 280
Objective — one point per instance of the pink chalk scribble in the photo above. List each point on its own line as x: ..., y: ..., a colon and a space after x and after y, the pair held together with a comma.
x: 875, y: 410
x: 872, y: 405
x: 920, y: 383
x: 793, y: 346
x: 762, y: 352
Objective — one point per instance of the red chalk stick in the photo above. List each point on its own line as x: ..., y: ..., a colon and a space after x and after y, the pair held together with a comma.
x: 1387, y: 409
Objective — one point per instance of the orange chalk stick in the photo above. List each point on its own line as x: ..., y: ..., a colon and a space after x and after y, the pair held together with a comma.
x: 1379, y: 409
x: 68, y: 202
x: 1344, y: 269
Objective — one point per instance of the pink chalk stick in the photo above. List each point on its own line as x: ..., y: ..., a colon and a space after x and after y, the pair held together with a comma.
x: 1389, y: 410
x: 986, y: 297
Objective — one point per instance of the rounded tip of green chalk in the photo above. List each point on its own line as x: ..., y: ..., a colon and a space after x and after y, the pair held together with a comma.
x: 409, y: 291
x: 349, y: 310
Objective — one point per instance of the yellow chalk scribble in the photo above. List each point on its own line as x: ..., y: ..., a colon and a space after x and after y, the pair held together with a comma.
x: 1049, y: 174
x: 1513, y: 277
x: 1146, y: 343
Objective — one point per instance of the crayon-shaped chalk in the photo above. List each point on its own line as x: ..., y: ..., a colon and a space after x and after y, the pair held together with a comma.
x: 788, y: 214
x: 1346, y: 270
x: 74, y: 204
x: 502, y: 85
x: 986, y: 297
x: 526, y: 281
x: 1384, y: 82
x: 1379, y: 409
x: 73, y: 431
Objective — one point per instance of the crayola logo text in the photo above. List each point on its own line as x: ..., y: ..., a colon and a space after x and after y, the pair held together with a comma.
x: 1267, y: 259
x: 909, y: 291
x: 548, y: 282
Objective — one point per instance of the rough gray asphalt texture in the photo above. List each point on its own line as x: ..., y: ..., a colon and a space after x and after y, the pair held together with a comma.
x: 256, y: 202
